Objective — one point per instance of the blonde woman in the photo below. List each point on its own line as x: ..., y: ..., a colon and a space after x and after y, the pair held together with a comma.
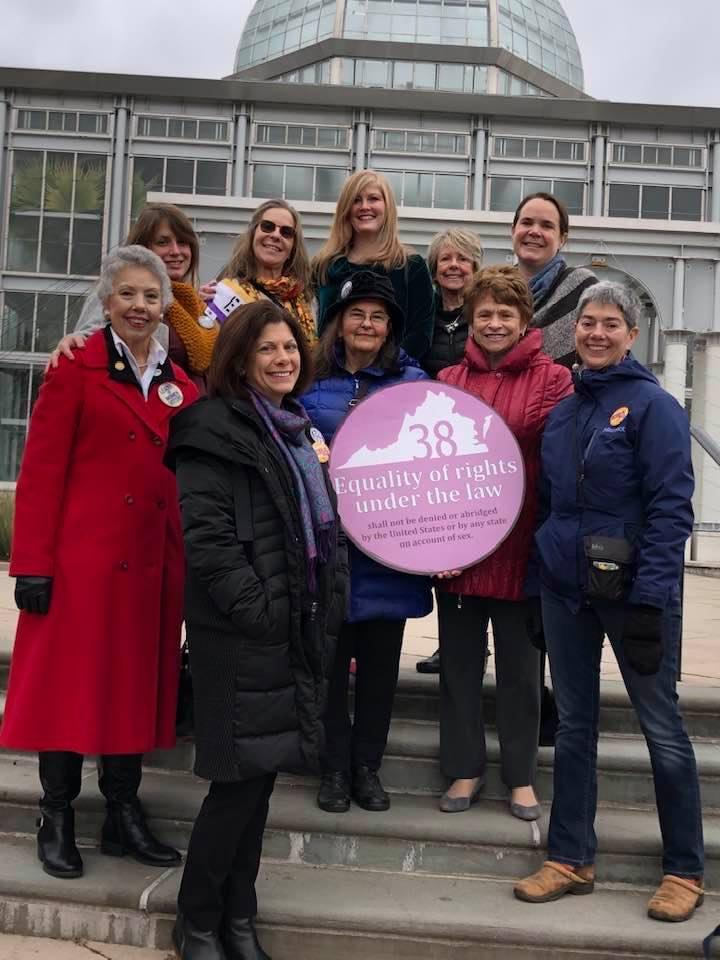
x: 364, y: 235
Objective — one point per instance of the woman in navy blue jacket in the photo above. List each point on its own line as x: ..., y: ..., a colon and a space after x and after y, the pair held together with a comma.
x: 611, y: 548
x: 357, y: 354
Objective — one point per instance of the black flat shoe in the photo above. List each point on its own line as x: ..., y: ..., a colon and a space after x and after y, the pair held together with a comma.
x: 56, y: 847
x: 193, y: 944
x: 430, y: 664
x: 240, y: 940
x: 334, y: 793
x: 367, y: 791
x: 126, y: 831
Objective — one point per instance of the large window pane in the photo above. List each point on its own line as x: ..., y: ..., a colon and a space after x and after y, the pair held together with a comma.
x: 211, y: 177
x: 267, y: 180
x: 505, y: 193
x: 59, y: 182
x: 624, y: 200
x: 328, y: 183
x: 23, y: 242
x: 179, y: 176
x: 27, y: 180
x: 90, y: 184
x: 299, y: 183
x: 425, y: 76
x: 451, y: 76
x: 450, y: 191
x: 418, y: 190
x: 571, y: 195
x: 54, y: 245
x: 656, y: 203
x: 686, y: 203
x: 50, y: 323
x: 537, y: 186
x: 147, y: 175
x: 17, y: 322
x: 402, y: 74
x: 86, y: 251
x: 13, y: 418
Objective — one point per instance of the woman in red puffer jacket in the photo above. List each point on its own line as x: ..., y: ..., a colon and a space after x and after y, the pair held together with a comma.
x: 503, y: 365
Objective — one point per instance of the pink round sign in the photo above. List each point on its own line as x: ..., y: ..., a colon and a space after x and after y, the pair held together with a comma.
x: 428, y: 478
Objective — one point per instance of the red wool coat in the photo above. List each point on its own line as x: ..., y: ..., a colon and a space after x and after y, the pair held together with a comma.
x: 523, y: 389
x: 96, y: 510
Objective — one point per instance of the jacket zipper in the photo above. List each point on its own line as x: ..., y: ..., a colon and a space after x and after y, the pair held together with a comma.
x: 459, y: 601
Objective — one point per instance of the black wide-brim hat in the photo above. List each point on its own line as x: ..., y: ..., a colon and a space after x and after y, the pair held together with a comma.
x: 368, y: 285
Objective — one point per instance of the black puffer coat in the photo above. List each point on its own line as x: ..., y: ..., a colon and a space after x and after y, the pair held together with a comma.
x: 260, y: 646
x: 448, y: 343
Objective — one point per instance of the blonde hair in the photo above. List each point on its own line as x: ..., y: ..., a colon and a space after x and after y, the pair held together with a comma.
x: 390, y: 252
x: 464, y: 241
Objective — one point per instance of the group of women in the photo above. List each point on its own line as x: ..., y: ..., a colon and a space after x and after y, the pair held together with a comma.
x: 277, y: 604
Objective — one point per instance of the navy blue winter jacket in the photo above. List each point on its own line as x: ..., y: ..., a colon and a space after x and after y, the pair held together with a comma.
x: 376, y: 592
x: 631, y: 477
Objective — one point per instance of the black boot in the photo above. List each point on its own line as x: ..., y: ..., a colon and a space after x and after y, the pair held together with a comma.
x: 125, y: 829
x: 240, y: 939
x: 430, y: 664
x: 193, y: 944
x: 60, y: 776
x: 334, y: 793
x: 367, y: 791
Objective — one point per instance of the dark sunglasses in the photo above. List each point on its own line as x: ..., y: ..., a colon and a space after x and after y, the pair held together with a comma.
x: 267, y: 226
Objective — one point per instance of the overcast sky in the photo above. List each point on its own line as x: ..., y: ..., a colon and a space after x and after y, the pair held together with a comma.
x: 653, y: 51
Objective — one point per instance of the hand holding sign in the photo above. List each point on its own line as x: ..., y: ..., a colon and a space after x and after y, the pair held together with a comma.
x: 439, y: 486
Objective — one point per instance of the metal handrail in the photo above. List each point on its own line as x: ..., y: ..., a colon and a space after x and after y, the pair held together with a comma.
x: 710, y: 446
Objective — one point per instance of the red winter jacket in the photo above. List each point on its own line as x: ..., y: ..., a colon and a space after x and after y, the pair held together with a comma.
x: 523, y: 389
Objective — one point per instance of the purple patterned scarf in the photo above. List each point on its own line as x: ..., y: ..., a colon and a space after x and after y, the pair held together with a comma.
x: 288, y: 425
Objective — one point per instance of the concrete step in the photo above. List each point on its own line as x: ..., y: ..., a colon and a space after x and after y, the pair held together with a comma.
x: 325, y: 913
x: 412, y: 837
x: 417, y: 698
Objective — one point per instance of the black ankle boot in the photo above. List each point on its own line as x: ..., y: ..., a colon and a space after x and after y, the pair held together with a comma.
x: 334, y: 793
x: 240, y: 940
x: 193, y: 944
x: 56, y: 844
x: 126, y: 831
x: 367, y: 791
x: 60, y: 776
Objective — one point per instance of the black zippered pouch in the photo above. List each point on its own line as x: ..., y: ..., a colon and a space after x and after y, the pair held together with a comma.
x: 610, y: 567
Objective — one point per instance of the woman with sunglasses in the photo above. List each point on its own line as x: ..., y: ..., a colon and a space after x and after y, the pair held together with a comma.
x: 364, y: 236
x: 270, y: 262
x: 188, y: 332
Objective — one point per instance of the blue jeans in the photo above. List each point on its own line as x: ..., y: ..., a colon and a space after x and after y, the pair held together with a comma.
x: 574, y: 644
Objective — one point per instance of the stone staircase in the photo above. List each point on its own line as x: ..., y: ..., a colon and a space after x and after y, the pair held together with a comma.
x: 409, y: 883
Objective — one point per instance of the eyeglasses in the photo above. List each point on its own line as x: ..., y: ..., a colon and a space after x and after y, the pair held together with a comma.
x: 267, y: 226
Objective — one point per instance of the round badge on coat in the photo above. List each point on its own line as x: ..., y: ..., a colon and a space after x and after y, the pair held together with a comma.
x: 620, y: 414
x: 316, y: 435
x: 119, y: 365
x: 207, y: 320
x: 170, y: 394
x: 346, y: 289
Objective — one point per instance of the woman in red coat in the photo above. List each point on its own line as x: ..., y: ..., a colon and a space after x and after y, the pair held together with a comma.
x: 503, y: 365
x: 97, y: 553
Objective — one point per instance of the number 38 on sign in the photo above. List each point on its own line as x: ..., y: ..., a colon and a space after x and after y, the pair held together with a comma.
x: 428, y: 478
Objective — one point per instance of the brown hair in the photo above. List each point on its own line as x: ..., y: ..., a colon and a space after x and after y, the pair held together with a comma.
x: 325, y: 362
x: 390, y: 252
x: 235, y: 345
x: 503, y: 285
x: 549, y: 198
x: 154, y: 215
x: 243, y: 264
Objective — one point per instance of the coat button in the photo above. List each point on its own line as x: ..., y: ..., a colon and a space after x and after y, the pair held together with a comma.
x: 129, y: 499
x: 498, y: 375
x: 132, y: 435
x: 123, y: 564
x: 161, y: 504
x: 157, y: 441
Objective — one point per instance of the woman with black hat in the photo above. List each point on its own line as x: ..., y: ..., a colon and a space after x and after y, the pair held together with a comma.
x: 357, y: 354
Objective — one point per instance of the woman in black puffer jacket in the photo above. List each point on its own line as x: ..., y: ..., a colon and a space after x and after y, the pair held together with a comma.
x: 265, y: 596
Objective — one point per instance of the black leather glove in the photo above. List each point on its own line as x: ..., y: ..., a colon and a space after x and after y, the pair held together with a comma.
x: 534, y: 624
x: 32, y: 594
x: 642, y: 638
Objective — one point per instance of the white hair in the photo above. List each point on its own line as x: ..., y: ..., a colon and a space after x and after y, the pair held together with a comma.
x: 133, y: 256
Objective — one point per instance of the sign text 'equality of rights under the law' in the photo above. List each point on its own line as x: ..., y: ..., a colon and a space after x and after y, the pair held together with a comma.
x: 428, y: 477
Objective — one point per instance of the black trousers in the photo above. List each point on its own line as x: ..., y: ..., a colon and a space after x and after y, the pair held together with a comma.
x: 463, y: 647
x: 376, y: 646
x: 223, y: 855
x: 119, y: 777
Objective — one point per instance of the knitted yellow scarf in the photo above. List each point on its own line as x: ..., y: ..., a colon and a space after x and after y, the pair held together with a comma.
x: 182, y: 315
x: 288, y: 293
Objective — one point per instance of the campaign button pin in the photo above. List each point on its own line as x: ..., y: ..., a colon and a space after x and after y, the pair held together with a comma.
x: 119, y: 365
x: 620, y: 414
x: 170, y: 394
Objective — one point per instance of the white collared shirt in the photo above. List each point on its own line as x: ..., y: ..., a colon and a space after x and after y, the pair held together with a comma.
x: 157, y: 355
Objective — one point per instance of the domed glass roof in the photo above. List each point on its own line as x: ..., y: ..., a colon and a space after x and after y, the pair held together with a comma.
x: 537, y: 31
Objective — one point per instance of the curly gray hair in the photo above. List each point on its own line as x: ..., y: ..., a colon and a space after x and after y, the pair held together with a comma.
x: 133, y: 256
x: 616, y: 295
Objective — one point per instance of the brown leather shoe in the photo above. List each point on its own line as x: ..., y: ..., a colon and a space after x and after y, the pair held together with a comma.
x: 676, y: 899
x: 553, y: 881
